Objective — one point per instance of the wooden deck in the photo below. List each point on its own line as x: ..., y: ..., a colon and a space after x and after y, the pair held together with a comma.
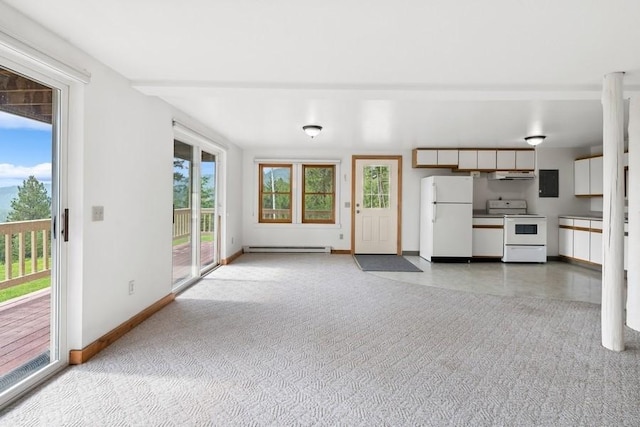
x: 25, y: 328
x: 182, y: 259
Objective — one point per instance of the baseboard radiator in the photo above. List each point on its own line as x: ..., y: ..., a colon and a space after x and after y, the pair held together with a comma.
x: 287, y: 249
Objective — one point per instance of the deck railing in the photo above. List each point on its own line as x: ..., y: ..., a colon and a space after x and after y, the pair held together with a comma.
x: 20, y: 231
x: 182, y: 221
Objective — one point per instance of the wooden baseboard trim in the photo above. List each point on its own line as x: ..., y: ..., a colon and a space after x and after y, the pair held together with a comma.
x: 232, y: 258
x: 77, y: 357
x: 341, y: 251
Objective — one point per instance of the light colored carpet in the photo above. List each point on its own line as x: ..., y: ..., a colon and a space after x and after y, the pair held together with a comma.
x: 309, y: 339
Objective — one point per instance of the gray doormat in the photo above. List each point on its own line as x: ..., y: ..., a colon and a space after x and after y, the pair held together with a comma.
x: 384, y: 263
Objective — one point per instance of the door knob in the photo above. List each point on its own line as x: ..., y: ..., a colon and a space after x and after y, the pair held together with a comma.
x: 357, y: 211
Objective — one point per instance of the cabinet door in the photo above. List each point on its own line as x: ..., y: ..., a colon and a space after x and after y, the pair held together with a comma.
x: 595, y: 242
x: 448, y: 158
x: 581, y: 177
x: 526, y: 160
x: 595, y: 247
x: 487, y: 242
x: 506, y: 159
x: 565, y: 242
x: 487, y: 159
x: 595, y: 176
x: 581, y: 245
x: 468, y: 159
x: 426, y: 157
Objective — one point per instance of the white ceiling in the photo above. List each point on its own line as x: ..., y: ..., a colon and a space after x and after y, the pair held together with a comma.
x: 376, y: 74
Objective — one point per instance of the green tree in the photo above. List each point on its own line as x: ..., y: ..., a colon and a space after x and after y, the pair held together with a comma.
x: 181, y: 184
x: 32, y: 202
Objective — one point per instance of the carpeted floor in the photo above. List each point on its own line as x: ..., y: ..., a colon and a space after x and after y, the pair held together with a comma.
x: 309, y: 339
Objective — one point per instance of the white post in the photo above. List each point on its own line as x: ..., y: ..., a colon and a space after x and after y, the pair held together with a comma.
x: 613, y: 213
x: 633, y: 195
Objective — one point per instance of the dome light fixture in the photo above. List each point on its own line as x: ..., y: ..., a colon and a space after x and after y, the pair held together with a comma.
x: 535, y: 140
x: 312, y: 130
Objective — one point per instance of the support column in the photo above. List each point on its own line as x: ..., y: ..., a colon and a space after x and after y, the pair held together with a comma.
x: 613, y: 213
x: 633, y: 196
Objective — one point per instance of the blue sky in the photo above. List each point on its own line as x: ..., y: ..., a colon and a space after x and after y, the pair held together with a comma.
x: 25, y: 149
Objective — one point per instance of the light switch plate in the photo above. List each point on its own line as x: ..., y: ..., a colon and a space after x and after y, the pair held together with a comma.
x: 97, y: 213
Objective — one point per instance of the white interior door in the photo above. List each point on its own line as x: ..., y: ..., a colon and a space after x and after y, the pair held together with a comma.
x: 376, y: 205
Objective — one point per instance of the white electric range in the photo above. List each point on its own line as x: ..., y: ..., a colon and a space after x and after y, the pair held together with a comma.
x: 525, y: 235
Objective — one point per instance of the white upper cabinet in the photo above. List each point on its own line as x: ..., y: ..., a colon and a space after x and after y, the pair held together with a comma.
x: 425, y: 157
x: 468, y: 159
x: 448, y: 158
x: 525, y: 160
x: 506, y: 159
x: 487, y: 159
x: 435, y: 158
x: 587, y: 177
x: 581, y: 184
x: 596, y: 176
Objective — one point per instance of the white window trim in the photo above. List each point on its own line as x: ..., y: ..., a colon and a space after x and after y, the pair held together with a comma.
x: 296, y: 192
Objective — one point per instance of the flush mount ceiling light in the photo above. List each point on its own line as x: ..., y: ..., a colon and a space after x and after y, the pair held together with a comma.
x: 535, y: 140
x: 312, y: 130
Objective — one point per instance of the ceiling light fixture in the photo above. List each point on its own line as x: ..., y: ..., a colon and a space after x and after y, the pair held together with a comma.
x: 312, y: 130
x: 535, y: 140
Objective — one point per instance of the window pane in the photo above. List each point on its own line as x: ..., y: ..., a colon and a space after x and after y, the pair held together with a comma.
x: 376, y: 187
x: 276, y: 207
x: 318, y: 179
x: 318, y: 207
x: 276, y: 179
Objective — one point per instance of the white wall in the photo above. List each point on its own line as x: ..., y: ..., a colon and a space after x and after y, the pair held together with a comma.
x: 566, y: 202
x: 119, y: 155
x: 274, y: 234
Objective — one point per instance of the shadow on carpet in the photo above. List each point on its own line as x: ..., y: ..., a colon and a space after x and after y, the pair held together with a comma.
x: 384, y: 263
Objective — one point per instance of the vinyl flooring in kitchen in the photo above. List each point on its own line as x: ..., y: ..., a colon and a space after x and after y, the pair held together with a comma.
x: 556, y: 280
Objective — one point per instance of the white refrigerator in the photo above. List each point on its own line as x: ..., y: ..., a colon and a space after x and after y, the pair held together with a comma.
x: 446, y: 212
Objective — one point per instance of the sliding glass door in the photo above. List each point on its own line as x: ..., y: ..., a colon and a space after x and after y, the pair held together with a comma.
x: 31, y: 333
x: 183, y: 259
x: 208, y: 219
x: 195, y: 222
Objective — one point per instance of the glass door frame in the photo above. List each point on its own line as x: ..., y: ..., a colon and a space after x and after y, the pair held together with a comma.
x: 59, y: 351
x: 199, y: 143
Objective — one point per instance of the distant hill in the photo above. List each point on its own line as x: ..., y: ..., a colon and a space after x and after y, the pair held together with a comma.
x: 7, y: 194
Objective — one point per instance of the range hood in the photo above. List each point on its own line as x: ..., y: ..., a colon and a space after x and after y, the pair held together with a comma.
x: 510, y: 176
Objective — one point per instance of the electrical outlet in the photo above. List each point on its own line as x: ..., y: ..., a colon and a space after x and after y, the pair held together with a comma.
x: 232, y: 240
x: 341, y: 236
x: 131, y: 287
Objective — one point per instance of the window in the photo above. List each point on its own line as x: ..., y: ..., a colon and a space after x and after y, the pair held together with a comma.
x: 275, y: 193
x: 297, y: 192
x: 376, y: 187
x: 319, y: 194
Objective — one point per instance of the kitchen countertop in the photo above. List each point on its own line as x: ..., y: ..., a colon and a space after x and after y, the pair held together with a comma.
x: 596, y: 216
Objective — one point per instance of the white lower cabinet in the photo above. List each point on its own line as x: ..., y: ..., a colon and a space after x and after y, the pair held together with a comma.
x: 488, y: 235
x: 595, y: 242
x: 582, y: 239
x: 565, y: 237
x: 581, y: 245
